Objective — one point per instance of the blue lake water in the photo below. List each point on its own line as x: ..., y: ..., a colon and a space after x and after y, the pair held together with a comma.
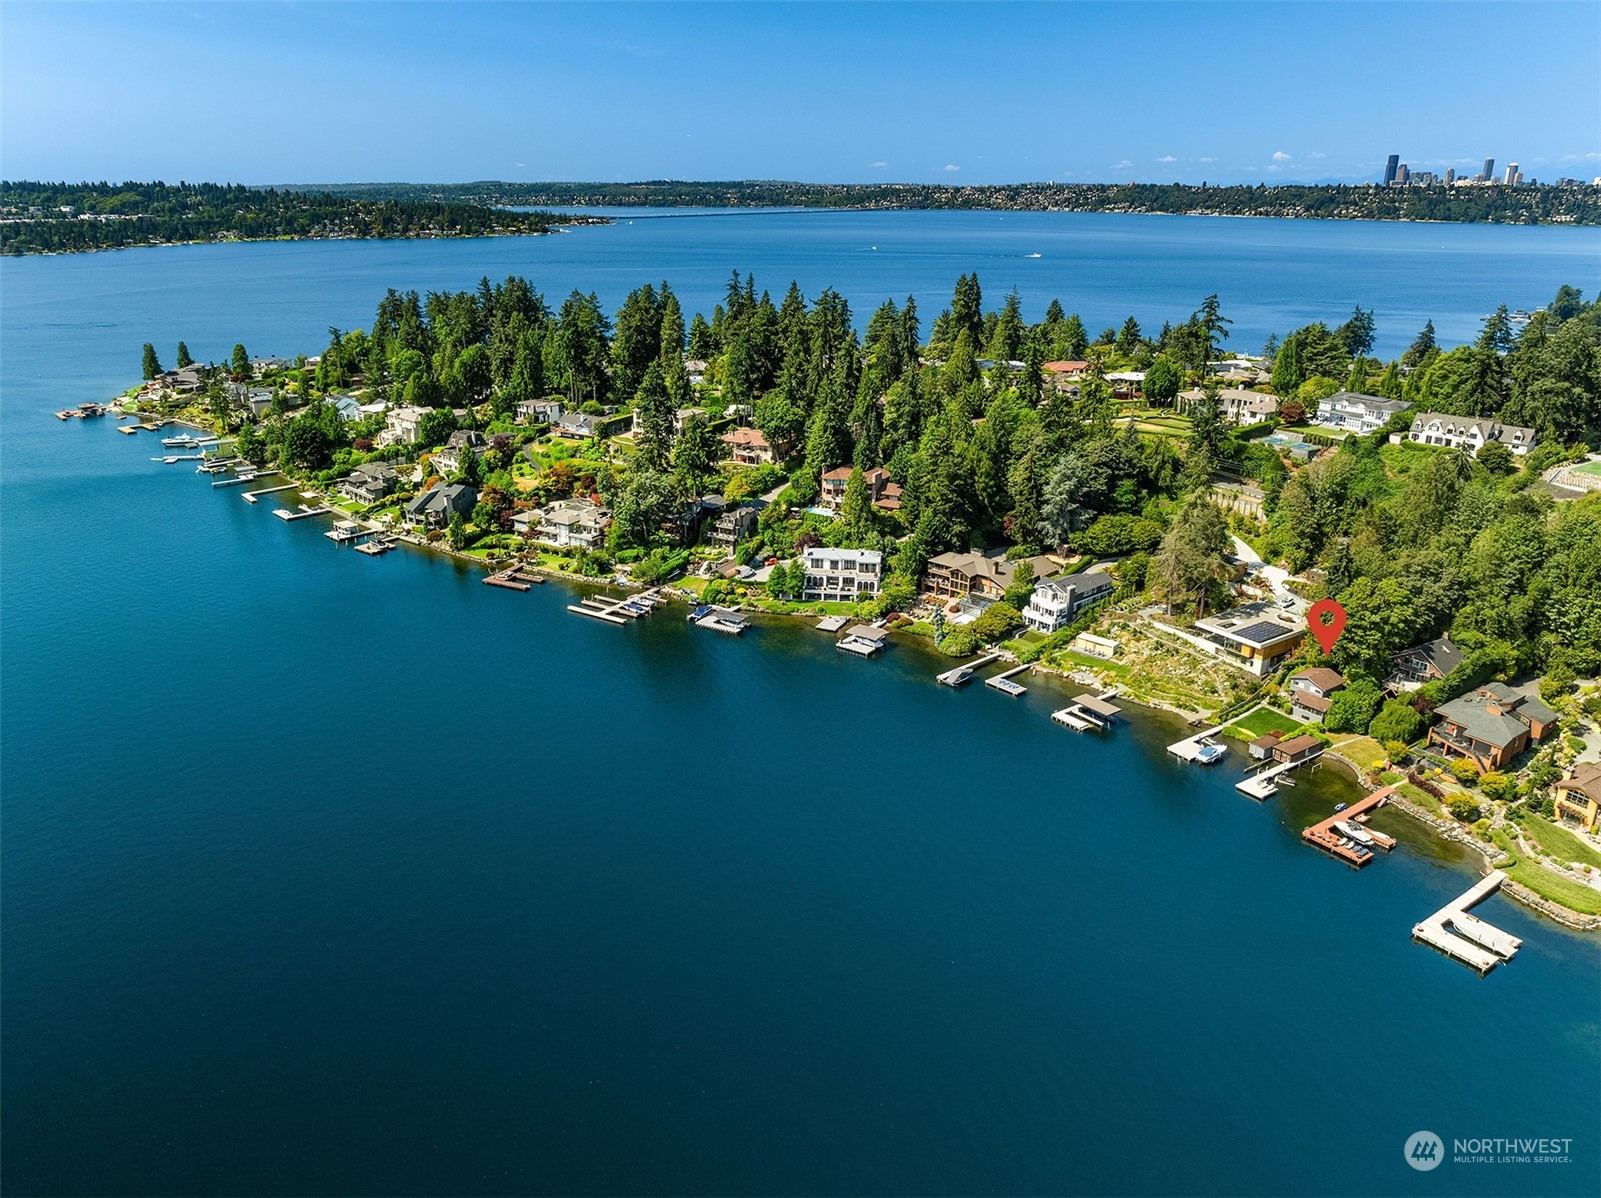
x: 328, y: 874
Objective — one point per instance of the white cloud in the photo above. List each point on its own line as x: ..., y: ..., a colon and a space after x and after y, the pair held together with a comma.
x: 1121, y: 166
x: 1317, y: 154
x: 522, y: 164
x: 1206, y: 159
x: 1280, y: 156
x: 879, y: 166
x: 1167, y: 158
x: 950, y: 166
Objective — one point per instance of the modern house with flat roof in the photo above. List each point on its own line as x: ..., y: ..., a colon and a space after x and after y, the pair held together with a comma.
x: 1255, y: 636
x: 842, y: 575
x: 1491, y: 725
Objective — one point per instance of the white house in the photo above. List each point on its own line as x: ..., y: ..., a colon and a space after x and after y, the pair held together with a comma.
x: 843, y: 575
x: 1469, y: 432
x: 1056, y: 601
x: 402, y: 425
x: 1357, y: 413
x: 566, y: 524
x: 539, y: 411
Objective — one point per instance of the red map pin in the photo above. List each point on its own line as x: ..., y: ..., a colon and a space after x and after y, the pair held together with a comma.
x: 1326, y: 619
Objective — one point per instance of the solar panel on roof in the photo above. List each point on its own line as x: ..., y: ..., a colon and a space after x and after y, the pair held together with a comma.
x: 1262, y: 632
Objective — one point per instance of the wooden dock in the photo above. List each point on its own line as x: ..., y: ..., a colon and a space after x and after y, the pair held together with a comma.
x: 961, y: 675
x: 1322, y: 835
x: 617, y: 611
x: 1003, y: 681
x: 832, y: 623
x: 513, y: 579
x: 377, y: 546
x: 1261, y: 785
x: 719, y: 619
x: 863, y: 640
x: 1467, y: 938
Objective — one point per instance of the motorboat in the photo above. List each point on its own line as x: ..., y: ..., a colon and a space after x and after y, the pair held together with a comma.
x: 1209, y: 752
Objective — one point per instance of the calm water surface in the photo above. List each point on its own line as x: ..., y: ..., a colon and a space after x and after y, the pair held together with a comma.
x: 323, y: 873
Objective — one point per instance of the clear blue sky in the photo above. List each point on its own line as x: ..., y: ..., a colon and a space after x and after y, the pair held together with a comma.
x: 324, y: 92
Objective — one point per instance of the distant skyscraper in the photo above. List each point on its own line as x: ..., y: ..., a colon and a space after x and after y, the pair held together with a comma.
x: 1489, y: 169
x: 1389, y: 169
x: 1450, y: 175
x: 1511, y: 173
x: 1402, y: 175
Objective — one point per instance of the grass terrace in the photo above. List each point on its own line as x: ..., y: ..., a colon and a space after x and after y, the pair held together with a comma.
x: 1260, y: 723
x: 1559, y: 842
x: 1573, y: 895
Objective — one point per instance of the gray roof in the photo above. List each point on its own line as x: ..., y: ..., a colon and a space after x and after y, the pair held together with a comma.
x: 1471, y: 712
x: 1445, y: 656
x: 1462, y: 426
x: 1376, y: 402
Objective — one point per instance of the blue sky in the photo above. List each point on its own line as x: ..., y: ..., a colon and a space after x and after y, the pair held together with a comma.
x: 323, y: 92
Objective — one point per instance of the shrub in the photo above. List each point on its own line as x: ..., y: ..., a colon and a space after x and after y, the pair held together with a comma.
x: 1465, y: 771
x: 1396, y: 721
x: 1463, y: 809
x: 959, y: 642
x: 1351, y: 709
x: 997, y: 620
x: 1496, y: 785
x: 1556, y: 683
x: 1395, y: 750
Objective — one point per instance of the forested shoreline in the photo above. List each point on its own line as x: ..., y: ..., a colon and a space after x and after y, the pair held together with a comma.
x: 1525, y: 204
x: 74, y: 217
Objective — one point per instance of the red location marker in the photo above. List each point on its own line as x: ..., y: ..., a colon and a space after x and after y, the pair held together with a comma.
x: 1326, y: 619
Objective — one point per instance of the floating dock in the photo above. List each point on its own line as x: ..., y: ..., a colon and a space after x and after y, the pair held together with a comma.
x: 1322, y: 835
x: 345, y: 531
x: 863, y: 640
x: 1262, y: 785
x: 832, y: 623
x: 376, y: 546
x: 513, y: 579
x: 1467, y: 938
x: 1003, y: 681
x: 719, y: 619
x: 129, y: 429
x: 304, y: 513
x: 961, y: 675
x: 617, y: 611
x: 237, y: 480
x: 1189, y: 749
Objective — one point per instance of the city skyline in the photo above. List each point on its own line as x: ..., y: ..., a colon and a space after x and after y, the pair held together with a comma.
x: 336, y: 92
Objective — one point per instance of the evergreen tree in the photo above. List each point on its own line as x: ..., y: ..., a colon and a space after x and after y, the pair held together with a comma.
x: 183, y: 356
x: 653, y: 418
x: 239, y: 362
x: 1422, y: 346
x: 152, y: 366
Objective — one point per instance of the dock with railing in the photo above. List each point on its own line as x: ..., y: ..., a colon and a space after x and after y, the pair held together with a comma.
x: 1325, y: 836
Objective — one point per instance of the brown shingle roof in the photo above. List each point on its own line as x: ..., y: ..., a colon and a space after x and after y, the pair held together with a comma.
x: 1321, y: 677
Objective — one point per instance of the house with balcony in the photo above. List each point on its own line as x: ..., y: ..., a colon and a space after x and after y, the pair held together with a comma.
x: 369, y: 482
x: 1310, y: 692
x: 1577, y: 798
x: 448, y: 458
x: 1057, y: 602
x: 1354, y: 412
x: 577, y: 425
x: 576, y: 524
x: 434, y: 508
x: 1255, y: 636
x: 985, y: 576
x: 1469, y: 433
x: 1490, y: 725
x: 883, y: 493
x: 748, y: 447
x: 403, y: 425
x: 539, y: 411
x: 842, y: 575
x: 735, y: 523
x: 1412, y: 668
x: 1235, y: 405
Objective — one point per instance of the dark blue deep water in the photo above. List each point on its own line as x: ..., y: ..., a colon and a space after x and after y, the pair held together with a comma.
x: 328, y: 874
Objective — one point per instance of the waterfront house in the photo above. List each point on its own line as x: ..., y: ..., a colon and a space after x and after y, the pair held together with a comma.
x: 735, y: 524
x: 1235, y: 406
x: 349, y: 410
x: 1578, y: 796
x: 882, y: 493
x: 1310, y: 690
x: 539, y: 411
x: 257, y: 399
x: 1095, y: 646
x: 433, y: 509
x: 1490, y: 725
x: 567, y: 524
x: 403, y: 425
x: 577, y: 424
x: 981, y: 575
x: 1358, y: 413
x: 748, y: 447
x: 1296, y: 749
x: 369, y: 482
x: 1057, y: 602
x: 1469, y: 433
x: 448, y: 458
x: 1254, y: 636
x: 1413, y: 667
x: 265, y: 366
x: 1262, y: 747
x: 842, y: 575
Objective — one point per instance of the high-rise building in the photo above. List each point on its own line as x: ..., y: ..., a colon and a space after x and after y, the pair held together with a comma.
x: 1402, y: 175
x: 1489, y: 169
x: 1450, y: 175
x: 1389, y: 169
x: 1511, y: 173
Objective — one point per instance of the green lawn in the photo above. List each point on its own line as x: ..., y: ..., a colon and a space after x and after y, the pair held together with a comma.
x: 1589, y: 468
x: 1260, y: 723
x: 1560, y: 842
x: 1543, y: 882
x: 1364, y: 750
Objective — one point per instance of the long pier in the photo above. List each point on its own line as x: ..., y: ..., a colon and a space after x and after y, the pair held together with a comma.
x: 1260, y: 785
x: 250, y: 496
x: 1467, y: 938
x: 617, y: 611
x: 958, y: 675
x: 305, y: 513
x: 1003, y: 681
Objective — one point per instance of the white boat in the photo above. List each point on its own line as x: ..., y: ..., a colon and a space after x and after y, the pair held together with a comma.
x: 1209, y: 752
x: 1033, y: 255
x: 181, y: 441
x: 1347, y: 829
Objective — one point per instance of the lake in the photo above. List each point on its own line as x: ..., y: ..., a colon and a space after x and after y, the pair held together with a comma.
x: 330, y: 874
